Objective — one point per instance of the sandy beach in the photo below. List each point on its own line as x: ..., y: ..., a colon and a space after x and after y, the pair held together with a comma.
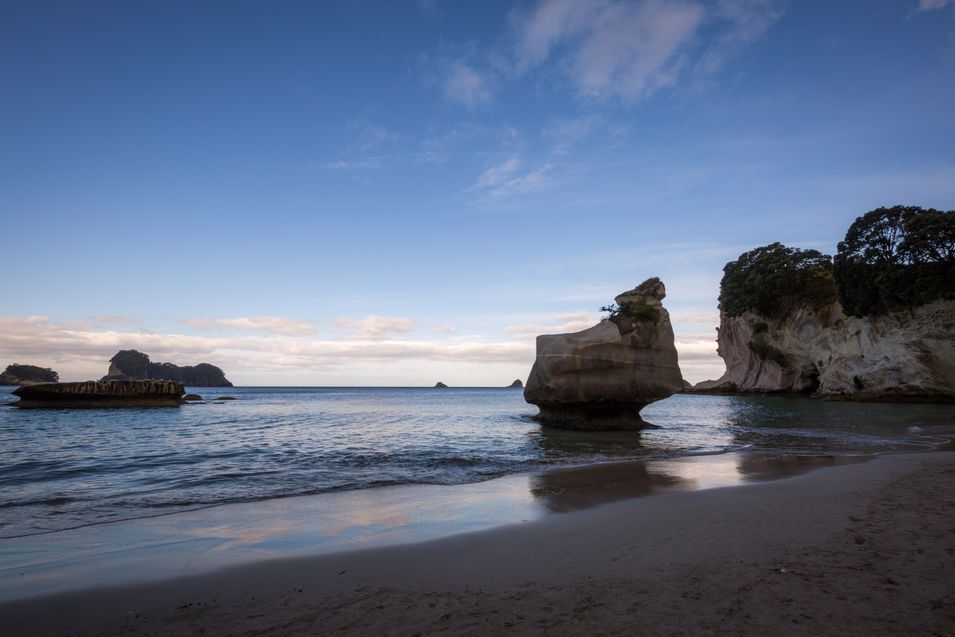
x: 859, y: 549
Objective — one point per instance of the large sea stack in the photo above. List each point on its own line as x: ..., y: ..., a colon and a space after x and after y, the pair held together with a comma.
x: 602, y: 377
x: 99, y: 394
x: 128, y: 364
x: 877, y: 323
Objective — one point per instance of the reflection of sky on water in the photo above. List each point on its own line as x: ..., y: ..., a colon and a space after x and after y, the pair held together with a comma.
x: 198, y: 541
x: 72, y: 468
x: 204, y: 540
x: 723, y: 441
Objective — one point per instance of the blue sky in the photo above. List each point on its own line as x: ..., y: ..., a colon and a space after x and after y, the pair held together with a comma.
x: 392, y: 193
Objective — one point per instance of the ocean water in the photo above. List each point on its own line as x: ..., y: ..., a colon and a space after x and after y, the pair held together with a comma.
x: 63, y: 469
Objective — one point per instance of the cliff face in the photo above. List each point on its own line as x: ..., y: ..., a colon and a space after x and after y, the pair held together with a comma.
x: 907, y: 355
x: 601, y: 377
x: 27, y: 375
x: 129, y: 364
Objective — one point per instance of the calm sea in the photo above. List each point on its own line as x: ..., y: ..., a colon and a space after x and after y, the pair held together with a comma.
x: 68, y: 468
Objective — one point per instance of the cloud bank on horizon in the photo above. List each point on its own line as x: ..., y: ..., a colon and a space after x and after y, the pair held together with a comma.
x: 391, y: 193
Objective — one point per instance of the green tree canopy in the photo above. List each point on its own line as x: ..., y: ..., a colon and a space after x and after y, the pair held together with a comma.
x: 774, y: 280
x: 894, y: 258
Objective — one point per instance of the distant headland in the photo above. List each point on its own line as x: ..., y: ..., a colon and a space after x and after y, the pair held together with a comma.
x: 129, y: 364
x: 19, y: 375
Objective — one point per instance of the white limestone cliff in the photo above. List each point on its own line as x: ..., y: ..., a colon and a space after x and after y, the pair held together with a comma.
x: 907, y: 355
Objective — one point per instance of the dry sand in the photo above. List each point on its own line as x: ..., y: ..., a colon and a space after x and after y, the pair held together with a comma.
x: 862, y: 549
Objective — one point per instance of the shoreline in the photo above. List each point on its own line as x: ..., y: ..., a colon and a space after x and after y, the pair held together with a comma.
x: 197, y: 541
x: 694, y: 560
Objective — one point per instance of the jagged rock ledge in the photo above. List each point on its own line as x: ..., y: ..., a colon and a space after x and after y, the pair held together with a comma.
x: 93, y: 394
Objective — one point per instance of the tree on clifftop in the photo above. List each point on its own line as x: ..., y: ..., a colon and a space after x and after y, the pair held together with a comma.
x: 774, y: 280
x: 894, y: 258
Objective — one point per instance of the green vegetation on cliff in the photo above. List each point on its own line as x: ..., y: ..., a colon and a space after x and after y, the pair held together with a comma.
x: 893, y: 258
x: 774, y: 280
x: 24, y: 374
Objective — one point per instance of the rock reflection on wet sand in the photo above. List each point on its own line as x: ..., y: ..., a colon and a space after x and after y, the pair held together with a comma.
x: 572, y: 489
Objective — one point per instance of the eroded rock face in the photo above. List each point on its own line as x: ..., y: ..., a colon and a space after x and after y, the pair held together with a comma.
x: 602, y: 377
x: 907, y: 355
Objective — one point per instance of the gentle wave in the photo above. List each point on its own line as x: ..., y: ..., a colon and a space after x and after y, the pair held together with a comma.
x: 65, y: 469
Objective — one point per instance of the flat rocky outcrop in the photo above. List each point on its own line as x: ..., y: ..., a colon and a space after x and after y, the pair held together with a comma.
x: 101, y: 394
x: 902, y: 356
x: 27, y: 375
x: 129, y: 364
x: 602, y: 377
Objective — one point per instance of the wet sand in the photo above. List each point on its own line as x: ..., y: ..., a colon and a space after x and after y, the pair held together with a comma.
x: 201, y: 541
x: 861, y: 549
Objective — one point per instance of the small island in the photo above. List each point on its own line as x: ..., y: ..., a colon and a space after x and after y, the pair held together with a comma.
x: 517, y: 384
x: 19, y: 375
x: 440, y: 385
x: 129, y: 364
x: 133, y: 381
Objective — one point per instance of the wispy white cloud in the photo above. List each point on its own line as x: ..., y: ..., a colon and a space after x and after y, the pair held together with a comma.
x: 428, y: 8
x: 375, y: 327
x: 613, y: 49
x: 609, y: 49
x: 284, y: 326
x: 114, y: 319
x: 368, y: 137
x: 698, y: 358
x: 364, y: 163
x: 563, y: 134
x: 933, y: 5
x: 696, y: 318
x: 84, y: 353
x: 441, y: 328
x: 466, y: 85
x: 462, y: 138
x: 81, y: 351
x: 509, y: 178
x: 741, y: 22
x: 560, y: 324
x: 272, y: 324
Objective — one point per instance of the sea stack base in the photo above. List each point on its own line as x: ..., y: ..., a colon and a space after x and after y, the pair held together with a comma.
x: 101, y: 394
x: 602, y: 416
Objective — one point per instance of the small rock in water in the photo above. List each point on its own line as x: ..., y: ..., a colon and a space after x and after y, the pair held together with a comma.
x: 192, y: 397
x: 225, y: 398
